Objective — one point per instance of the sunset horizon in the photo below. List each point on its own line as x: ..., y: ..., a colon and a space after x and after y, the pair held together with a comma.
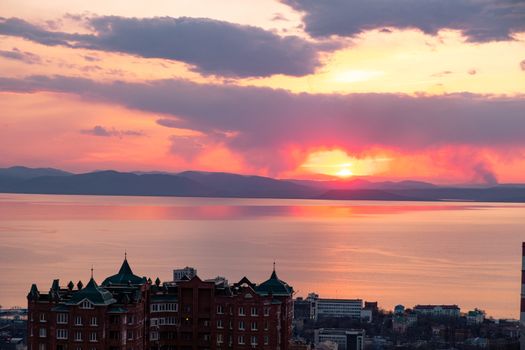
x: 262, y: 174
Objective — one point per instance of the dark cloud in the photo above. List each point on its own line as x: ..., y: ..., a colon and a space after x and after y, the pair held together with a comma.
x: 260, y: 122
x: 479, y: 20
x: 522, y: 65
x: 209, y: 46
x: 18, y: 55
x: 472, y: 72
x: 99, y: 130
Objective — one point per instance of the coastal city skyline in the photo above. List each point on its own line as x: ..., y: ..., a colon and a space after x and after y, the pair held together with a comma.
x: 262, y: 174
x: 277, y: 88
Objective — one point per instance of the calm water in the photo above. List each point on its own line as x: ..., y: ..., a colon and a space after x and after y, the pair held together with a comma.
x: 392, y: 252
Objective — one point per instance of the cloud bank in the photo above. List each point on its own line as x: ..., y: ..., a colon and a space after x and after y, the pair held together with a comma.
x: 478, y: 20
x: 208, y: 46
x: 260, y: 122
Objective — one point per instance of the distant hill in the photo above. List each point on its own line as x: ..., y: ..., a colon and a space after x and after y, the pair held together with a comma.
x: 22, y: 172
x: 366, y: 195
x: 363, y: 184
x: 235, y: 185
x: 219, y: 184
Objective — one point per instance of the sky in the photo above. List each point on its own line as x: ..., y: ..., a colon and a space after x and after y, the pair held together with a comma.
x: 430, y: 90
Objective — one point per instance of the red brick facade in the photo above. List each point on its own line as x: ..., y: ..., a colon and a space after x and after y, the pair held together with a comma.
x: 137, y: 315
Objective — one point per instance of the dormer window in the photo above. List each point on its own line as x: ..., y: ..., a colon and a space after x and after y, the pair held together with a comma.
x: 86, y: 304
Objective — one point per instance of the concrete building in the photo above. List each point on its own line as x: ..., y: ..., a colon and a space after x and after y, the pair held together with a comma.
x: 475, y: 316
x: 350, y: 308
x: 327, y: 345
x: 186, y: 273
x: 438, y: 310
x: 346, y: 339
x: 130, y: 312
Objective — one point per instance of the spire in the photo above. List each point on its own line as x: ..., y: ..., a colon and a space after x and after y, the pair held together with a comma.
x: 125, y: 254
x: 274, y: 274
x: 125, y: 269
x: 91, y: 271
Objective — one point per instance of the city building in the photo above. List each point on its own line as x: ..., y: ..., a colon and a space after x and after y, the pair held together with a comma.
x: 350, y: 308
x: 522, y: 303
x: 475, y: 316
x: 186, y: 273
x: 302, y: 309
x: 128, y: 312
x: 438, y: 310
x: 346, y: 339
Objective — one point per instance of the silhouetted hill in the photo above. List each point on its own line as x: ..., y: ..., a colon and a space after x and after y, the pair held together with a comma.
x: 111, y: 183
x: 363, y: 184
x: 217, y: 184
x: 379, y: 195
x: 22, y: 172
x: 235, y: 185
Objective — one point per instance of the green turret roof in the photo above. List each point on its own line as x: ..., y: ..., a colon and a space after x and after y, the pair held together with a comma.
x: 274, y: 286
x: 124, y: 276
x: 92, y: 292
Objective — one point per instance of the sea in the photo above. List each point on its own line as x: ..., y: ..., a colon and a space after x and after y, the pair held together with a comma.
x: 405, y: 253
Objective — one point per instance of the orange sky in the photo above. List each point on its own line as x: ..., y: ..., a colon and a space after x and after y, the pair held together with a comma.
x: 270, y: 95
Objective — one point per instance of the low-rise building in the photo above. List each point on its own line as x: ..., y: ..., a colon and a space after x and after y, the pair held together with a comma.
x: 438, y: 310
x: 475, y: 316
x: 346, y: 339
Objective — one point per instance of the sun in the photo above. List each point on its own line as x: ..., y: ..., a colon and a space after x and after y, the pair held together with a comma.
x: 345, y: 172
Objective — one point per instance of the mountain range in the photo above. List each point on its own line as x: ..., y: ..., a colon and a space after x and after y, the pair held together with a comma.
x: 20, y: 179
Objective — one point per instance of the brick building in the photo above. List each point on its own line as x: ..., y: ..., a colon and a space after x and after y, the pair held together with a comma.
x: 130, y: 312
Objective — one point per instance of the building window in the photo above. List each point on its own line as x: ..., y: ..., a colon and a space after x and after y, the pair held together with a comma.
x: 241, y: 325
x: 266, y: 323
x: 42, y: 333
x: 78, y: 336
x: 220, y: 309
x: 220, y: 324
x: 130, y: 335
x: 266, y: 311
x: 231, y: 324
x: 254, y: 340
x: 62, y: 318
x: 61, y: 333
x: 86, y: 304
x: 241, y: 339
x: 254, y: 325
x: 41, y: 346
x: 154, y: 336
x: 78, y: 320
x: 94, y: 321
x: 219, y: 338
x: 154, y: 322
x: 266, y: 340
x: 93, y: 336
x: 43, y: 317
x: 254, y: 311
x: 241, y: 311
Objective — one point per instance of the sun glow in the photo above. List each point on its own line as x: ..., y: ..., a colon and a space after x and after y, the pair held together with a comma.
x: 338, y: 163
x: 345, y: 172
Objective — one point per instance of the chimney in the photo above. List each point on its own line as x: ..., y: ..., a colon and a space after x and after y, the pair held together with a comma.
x: 522, y: 305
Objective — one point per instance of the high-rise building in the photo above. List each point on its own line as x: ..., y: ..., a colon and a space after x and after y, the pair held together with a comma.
x: 130, y: 312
